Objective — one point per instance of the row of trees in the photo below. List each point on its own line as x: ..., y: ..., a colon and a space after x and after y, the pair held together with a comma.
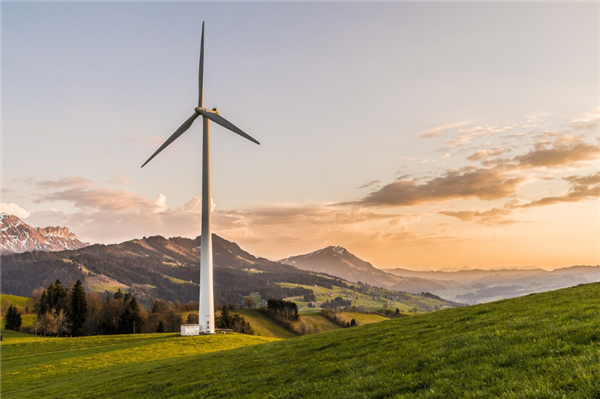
x: 235, y: 322
x: 338, y: 302
x: 71, y: 311
x: 282, y: 310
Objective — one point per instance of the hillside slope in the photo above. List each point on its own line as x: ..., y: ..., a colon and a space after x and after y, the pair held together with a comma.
x: 542, y: 345
x: 154, y: 267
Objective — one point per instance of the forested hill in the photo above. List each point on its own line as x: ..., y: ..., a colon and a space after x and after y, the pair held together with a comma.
x: 157, y: 267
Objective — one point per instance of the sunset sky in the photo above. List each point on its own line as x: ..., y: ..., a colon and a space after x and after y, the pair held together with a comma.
x: 423, y: 136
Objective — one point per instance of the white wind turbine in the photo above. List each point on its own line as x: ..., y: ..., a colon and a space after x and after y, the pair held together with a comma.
x: 206, y: 313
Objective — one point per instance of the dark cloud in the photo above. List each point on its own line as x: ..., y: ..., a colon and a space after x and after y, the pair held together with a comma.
x: 561, y: 155
x: 582, y: 188
x: 467, y: 182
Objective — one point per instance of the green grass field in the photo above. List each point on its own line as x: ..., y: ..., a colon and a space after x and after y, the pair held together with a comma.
x: 15, y: 300
x: 540, y: 346
x: 366, y: 301
x: 263, y: 325
x: 314, y: 324
x: 45, y: 367
x: 361, y: 318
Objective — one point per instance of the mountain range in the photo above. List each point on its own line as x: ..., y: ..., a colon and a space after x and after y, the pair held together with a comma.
x: 17, y: 236
x: 157, y: 267
x: 169, y: 268
x: 463, y: 286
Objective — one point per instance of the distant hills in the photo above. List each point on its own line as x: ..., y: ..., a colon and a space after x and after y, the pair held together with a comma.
x: 464, y: 286
x: 478, y: 286
x: 338, y: 261
x: 17, y: 236
x: 156, y: 267
x: 169, y: 269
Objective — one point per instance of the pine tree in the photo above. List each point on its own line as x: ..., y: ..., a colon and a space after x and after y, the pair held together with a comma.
x: 161, y: 327
x: 136, y: 315
x: 43, y: 309
x: 78, y: 309
x: 130, y: 320
x: 352, y: 323
x: 13, y: 319
x: 225, y: 321
x: 118, y: 294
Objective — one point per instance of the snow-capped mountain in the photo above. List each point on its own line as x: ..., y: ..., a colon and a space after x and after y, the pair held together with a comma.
x: 17, y: 236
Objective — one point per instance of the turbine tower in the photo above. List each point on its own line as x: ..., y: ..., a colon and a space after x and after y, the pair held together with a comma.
x: 206, y: 315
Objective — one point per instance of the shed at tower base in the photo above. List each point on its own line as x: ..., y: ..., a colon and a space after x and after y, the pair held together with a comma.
x: 190, y: 329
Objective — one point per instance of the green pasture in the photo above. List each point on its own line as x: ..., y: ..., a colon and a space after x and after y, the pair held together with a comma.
x: 323, y: 294
x: 263, y: 325
x: 543, y: 345
x: 16, y: 300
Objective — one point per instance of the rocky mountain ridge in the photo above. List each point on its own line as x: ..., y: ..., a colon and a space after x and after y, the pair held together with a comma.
x: 17, y: 236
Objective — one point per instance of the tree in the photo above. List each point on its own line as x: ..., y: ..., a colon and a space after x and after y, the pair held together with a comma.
x: 47, y: 324
x: 397, y: 311
x: 225, y: 321
x: 62, y: 323
x: 78, y: 313
x: 131, y: 320
x: 13, y: 319
x: 118, y: 294
x: 192, y: 319
x: 58, y: 297
x: 249, y: 302
x: 352, y: 323
x: 43, y: 307
x: 161, y: 327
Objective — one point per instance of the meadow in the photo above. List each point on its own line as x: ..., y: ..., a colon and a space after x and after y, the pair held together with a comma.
x: 543, y: 345
x: 410, y: 303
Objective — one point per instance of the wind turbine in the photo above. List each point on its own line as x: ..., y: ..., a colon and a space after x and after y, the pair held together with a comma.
x: 206, y: 315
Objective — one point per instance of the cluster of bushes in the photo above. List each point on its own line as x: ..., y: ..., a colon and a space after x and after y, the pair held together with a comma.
x: 309, y: 298
x: 338, y: 302
x: 282, y: 310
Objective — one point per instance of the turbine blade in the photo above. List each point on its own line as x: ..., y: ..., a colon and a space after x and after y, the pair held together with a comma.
x: 218, y: 119
x: 201, y: 70
x: 182, y: 129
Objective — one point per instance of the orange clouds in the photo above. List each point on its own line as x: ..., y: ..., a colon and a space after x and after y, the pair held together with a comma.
x: 468, y: 182
x: 561, y: 155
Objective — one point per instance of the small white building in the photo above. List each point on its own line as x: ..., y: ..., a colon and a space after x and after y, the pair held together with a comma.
x: 190, y: 329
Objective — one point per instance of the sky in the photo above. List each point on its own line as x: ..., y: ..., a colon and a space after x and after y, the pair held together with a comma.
x: 416, y: 135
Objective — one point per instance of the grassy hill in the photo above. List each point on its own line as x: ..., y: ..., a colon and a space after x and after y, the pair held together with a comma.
x: 15, y: 299
x: 375, y: 300
x: 263, y: 325
x: 540, y: 346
